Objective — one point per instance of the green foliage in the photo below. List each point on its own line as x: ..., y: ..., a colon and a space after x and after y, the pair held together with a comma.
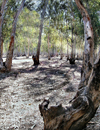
x: 28, y: 28
x: 11, y: 8
x: 59, y: 17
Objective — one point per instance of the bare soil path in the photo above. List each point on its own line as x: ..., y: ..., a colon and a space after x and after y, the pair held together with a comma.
x: 26, y: 86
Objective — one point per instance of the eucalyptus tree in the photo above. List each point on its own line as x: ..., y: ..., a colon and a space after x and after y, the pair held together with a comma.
x: 57, y: 14
x: 8, y: 61
x: 74, y: 22
x: 72, y: 57
x: 12, y: 7
x: 52, y: 13
x: 43, y: 6
x: 28, y: 29
x: 47, y: 31
x: 2, y: 13
x: 83, y: 106
x: 61, y: 30
x: 71, y: 19
x: 7, y: 65
x: 94, y: 10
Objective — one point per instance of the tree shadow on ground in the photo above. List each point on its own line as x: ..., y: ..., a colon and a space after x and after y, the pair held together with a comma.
x: 8, y: 74
x: 14, y: 73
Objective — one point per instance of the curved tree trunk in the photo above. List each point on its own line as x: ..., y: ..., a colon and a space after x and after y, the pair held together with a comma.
x: 8, y: 62
x: 2, y: 12
x: 82, y: 108
x: 36, y: 58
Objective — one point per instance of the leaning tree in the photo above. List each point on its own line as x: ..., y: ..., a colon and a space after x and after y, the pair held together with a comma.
x: 8, y: 61
x: 83, y: 106
x: 6, y: 66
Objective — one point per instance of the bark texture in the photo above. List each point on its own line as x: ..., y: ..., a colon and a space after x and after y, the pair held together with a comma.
x: 80, y: 110
x: 76, y: 114
x: 8, y: 62
x: 35, y: 60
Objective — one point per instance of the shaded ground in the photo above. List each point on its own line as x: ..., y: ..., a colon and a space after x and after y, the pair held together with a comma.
x: 25, y: 87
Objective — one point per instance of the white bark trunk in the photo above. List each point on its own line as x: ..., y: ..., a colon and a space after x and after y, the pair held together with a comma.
x: 8, y: 62
x: 2, y: 12
x: 41, y: 28
x: 83, y: 107
x: 88, y: 60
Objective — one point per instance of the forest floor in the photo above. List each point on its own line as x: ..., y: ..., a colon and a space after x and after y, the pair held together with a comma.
x: 26, y: 86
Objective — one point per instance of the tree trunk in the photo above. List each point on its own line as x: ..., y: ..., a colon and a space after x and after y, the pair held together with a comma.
x: 2, y: 12
x: 28, y: 51
x: 61, y: 55
x: 8, y: 62
x: 25, y: 53
x: 82, y: 108
x: 67, y: 51
x: 2, y: 48
x: 72, y: 58
x: 36, y: 58
x: 48, y: 48
x: 53, y: 50
x: 75, y: 44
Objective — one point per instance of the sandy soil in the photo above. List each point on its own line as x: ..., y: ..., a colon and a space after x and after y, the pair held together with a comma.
x: 26, y: 86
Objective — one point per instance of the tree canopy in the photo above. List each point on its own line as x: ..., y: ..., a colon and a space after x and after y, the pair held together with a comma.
x: 58, y: 17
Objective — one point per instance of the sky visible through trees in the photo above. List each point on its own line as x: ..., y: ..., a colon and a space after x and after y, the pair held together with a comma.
x: 58, y: 18
x: 52, y: 28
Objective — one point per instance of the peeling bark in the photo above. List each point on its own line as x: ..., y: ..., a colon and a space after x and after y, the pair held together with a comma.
x: 80, y: 110
x: 88, y: 55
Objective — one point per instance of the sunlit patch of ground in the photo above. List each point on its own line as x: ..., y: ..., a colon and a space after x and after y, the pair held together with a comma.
x: 25, y: 87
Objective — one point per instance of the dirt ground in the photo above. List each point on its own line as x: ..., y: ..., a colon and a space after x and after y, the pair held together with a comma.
x: 26, y: 86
